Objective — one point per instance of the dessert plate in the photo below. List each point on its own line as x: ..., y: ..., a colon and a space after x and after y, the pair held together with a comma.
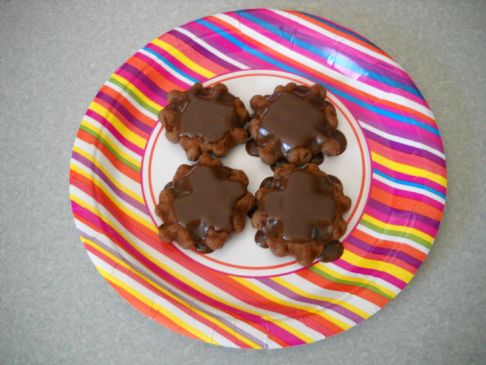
x: 242, y: 296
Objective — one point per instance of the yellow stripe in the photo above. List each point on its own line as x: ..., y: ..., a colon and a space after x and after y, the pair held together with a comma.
x: 160, y: 264
x: 90, y: 158
x: 127, y: 84
x: 404, y: 229
x: 389, y: 268
x: 111, y: 143
x: 353, y: 279
x: 306, y: 308
x: 118, y: 124
x: 409, y: 170
x: 169, y: 294
x: 163, y: 310
x: 118, y: 202
x: 302, y: 293
x: 183, y: 58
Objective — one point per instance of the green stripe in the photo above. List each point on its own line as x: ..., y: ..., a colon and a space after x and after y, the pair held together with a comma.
x: 107, y: 145
x: 134, y: 96
x: 349, y: 282
x: 392, y: 232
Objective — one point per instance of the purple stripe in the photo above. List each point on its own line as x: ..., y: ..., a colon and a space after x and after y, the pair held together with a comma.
x: 405, y: 177
x: 181, y: 66
x: 115, y: 104
x: 133, y: 202
x: 184, y: 287
x: 383, y: 251
x: 405, y: 148
x: 322, y: 303
x: 318, y: 40
x: 370, y: 272
x: 162, y: 71
x: 409, y: 195
x: 144, y: 83
x: 403, y: 216
x: 128, y: 144
x: 188, y: 42
x: 192, y: 303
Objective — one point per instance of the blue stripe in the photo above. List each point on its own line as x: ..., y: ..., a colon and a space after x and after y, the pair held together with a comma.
x: 169, y: 64
x: 320, y: 52
x: 341, y: 29
x: 408, y: 183
x: 246, y: 48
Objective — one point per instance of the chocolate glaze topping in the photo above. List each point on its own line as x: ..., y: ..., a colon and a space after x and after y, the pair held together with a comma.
x: 205, y: 198
x: 201, y: 116
x: 302, y: 209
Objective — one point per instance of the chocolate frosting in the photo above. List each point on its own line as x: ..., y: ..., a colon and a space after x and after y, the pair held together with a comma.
x: 303, y: 208
x: 206, y: 118
x: 205, y: 198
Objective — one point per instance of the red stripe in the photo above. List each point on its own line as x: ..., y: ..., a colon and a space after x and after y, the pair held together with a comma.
x: 128, y: 171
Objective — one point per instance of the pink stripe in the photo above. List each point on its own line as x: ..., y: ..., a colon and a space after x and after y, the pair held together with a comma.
x: 370, y: 272
x: 337, y: 47
x: 160, y: 70
x: 166, y: 277
x: 119, y: 137
x: 408, y: 194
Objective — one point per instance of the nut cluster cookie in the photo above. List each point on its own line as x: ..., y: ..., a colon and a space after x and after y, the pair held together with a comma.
x: 299, y: 213
x: 203, y: 205
x: 205, y: 119
x: 295, y: 124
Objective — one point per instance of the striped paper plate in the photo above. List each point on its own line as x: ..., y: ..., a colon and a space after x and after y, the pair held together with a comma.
x: 242, y: 296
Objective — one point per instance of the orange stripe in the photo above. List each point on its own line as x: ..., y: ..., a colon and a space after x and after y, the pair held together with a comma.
x: 389, y: 259
x: 361, y: 292
x: 176, y: 304
x: 403, y: 203
x: 128, y: 105
x: 361, y: 94
x: 337, y: 32
x: 151, y: 313
x: 406, y: 158
x: 88, y: 138
x: 194, y: 55
x: 155, y: 76
x: 419, y: 255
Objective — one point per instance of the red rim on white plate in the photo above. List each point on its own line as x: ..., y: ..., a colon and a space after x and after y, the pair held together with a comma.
x: 242, y: 296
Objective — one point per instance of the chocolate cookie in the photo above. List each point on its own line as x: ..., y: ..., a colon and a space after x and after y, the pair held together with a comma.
x: 205, y: 119
x: 203, y: 205
x: 295, y: 124
x: 300, y: 213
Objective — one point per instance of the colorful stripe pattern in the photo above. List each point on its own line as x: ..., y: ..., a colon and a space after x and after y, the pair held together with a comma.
x: 382, y: 254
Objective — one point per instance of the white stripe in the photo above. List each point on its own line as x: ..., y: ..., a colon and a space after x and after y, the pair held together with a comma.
x: 405, y: 141
x: 397, y: 239
x: 141, y: 214
x: 165, y: 304
x: 162, y: 261
x: 166, y: 67
x: 109, y: 136
x: 332, y: 35
x: 212, y: 311
x: 367, y: 278
x: 323, y: 69
x: 132, y: 101
x: 314, y: 308
x: 412, y: 189
x: 321, y: 293
x: 100, y: 159
x: 211, y: 49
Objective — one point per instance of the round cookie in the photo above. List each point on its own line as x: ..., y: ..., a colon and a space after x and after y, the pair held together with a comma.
x: 295, y: 124
x: 205, y: 119
x: 203, y: 205
x: 299, y: 213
